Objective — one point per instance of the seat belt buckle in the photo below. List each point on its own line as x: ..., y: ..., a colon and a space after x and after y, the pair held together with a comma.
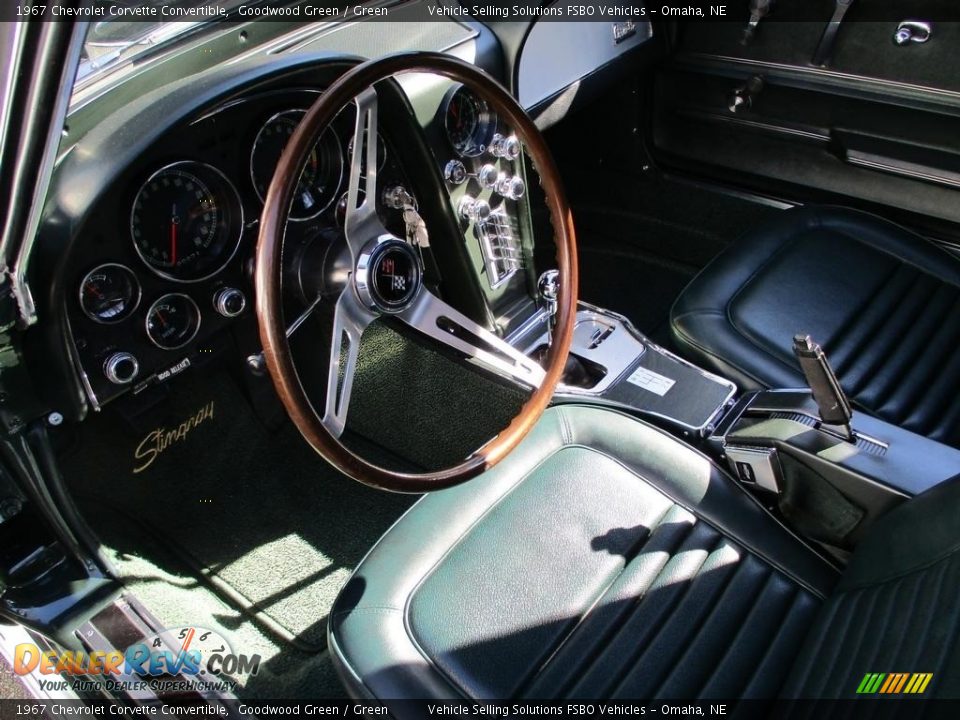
x: 756, y: 467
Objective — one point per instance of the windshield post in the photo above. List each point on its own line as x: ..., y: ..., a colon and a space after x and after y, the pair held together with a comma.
x: 41, y: 60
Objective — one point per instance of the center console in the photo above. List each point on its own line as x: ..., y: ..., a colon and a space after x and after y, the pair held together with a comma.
x: 831, y: 485
x: 612, y: 363
x: 804, y: 453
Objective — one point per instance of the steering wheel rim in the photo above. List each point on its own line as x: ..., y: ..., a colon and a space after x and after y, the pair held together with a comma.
x: 268, y: 269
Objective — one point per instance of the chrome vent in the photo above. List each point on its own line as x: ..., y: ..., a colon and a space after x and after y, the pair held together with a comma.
x: 501, y: 252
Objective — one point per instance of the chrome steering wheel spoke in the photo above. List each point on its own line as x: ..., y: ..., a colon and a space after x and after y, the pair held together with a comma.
x: 361, y: 222
x: 433, y: 317
x: 350, y: 319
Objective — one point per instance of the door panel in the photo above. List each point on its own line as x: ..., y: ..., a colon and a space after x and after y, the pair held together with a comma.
x: 877, y: 127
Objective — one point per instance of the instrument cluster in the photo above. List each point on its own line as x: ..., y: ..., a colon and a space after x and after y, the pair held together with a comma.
x: 167, y: 263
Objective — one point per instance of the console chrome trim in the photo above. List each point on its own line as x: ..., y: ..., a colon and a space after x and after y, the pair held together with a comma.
x: 617, y: 358
x: 596, y: 393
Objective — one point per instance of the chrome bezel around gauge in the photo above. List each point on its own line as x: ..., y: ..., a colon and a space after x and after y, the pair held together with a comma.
x: 341, y: 160
x: 234, y: 223
x: 196, y: 329
x: 130, y: 310
x: 483, y: 131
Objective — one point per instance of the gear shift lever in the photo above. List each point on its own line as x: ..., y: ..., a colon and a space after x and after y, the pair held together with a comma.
x: 832, y: 402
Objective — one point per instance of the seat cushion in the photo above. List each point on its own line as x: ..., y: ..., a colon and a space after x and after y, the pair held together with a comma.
x: 601, y: 558
x: 883, y: 302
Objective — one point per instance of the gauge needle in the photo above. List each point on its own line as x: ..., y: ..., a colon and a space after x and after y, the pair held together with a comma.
x: 174, y: 221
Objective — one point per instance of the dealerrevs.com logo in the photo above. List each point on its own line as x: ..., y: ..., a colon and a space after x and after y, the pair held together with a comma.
x: 189, y: 652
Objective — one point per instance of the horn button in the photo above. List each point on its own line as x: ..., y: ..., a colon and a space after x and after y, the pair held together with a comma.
x: 388, y: 276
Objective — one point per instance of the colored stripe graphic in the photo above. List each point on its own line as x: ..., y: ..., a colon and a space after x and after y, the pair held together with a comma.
x: 894, y: 683
x: 899, y: 687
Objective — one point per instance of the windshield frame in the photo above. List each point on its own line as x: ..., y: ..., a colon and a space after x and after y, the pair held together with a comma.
x: 102, y: 57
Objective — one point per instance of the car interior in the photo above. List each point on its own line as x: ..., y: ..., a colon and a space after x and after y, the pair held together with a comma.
x: 523, y: 360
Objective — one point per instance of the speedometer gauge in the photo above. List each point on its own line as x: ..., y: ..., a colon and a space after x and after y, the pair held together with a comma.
x: 469, y: 122
x: 321, y: 176
x: 186, y: 221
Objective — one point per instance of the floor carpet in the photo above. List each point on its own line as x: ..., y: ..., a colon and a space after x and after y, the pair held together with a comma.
x: 255, y: 511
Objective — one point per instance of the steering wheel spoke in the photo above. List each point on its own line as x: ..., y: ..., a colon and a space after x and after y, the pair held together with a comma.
x: 350, y: 319
x: 361, y: 223
x: 433, y: 317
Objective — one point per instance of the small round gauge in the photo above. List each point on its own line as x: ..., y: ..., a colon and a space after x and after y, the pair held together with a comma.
x: 173, y: 321
x: 321, y: 177
x: 109, y: 293
x: 186, y: 221
x: 469, y: 122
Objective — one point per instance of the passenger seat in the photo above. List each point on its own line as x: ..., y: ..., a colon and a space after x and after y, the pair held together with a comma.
x: 882, y: 301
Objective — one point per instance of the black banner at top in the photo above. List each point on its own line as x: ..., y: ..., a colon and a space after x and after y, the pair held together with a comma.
x: 157, y: 11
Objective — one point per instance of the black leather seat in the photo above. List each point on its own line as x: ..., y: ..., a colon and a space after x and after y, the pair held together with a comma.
x: 605, y: 559
x: 883, y: 302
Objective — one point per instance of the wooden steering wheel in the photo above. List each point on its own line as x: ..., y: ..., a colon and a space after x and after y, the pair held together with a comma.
x: 372, y: 248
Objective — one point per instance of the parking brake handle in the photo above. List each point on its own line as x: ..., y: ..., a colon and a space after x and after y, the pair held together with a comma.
x: 832, y: 401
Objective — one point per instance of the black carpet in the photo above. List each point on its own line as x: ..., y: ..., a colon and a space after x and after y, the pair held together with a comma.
x: 174, y: 593
x: 266, y: 521
x: 215, y: 512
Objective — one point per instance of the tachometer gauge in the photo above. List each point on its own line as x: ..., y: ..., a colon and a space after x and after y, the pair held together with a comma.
x: 109, y: 293
x: 321, y: 177
x: 186, y: 221
x: 469, y: 122
x: 173, y: 321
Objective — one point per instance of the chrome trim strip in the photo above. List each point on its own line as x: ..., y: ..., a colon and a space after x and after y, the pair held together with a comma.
x: 78, y: 365
x: 903, y: 169
x: 759, y: 125
x: 879, y: 86
x: 27, y: 308
x: 13, y: 635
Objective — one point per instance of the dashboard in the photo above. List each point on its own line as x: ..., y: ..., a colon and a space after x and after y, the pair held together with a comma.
x: 145, y: 253
x: 164, y: 263
x: 162, y: 268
